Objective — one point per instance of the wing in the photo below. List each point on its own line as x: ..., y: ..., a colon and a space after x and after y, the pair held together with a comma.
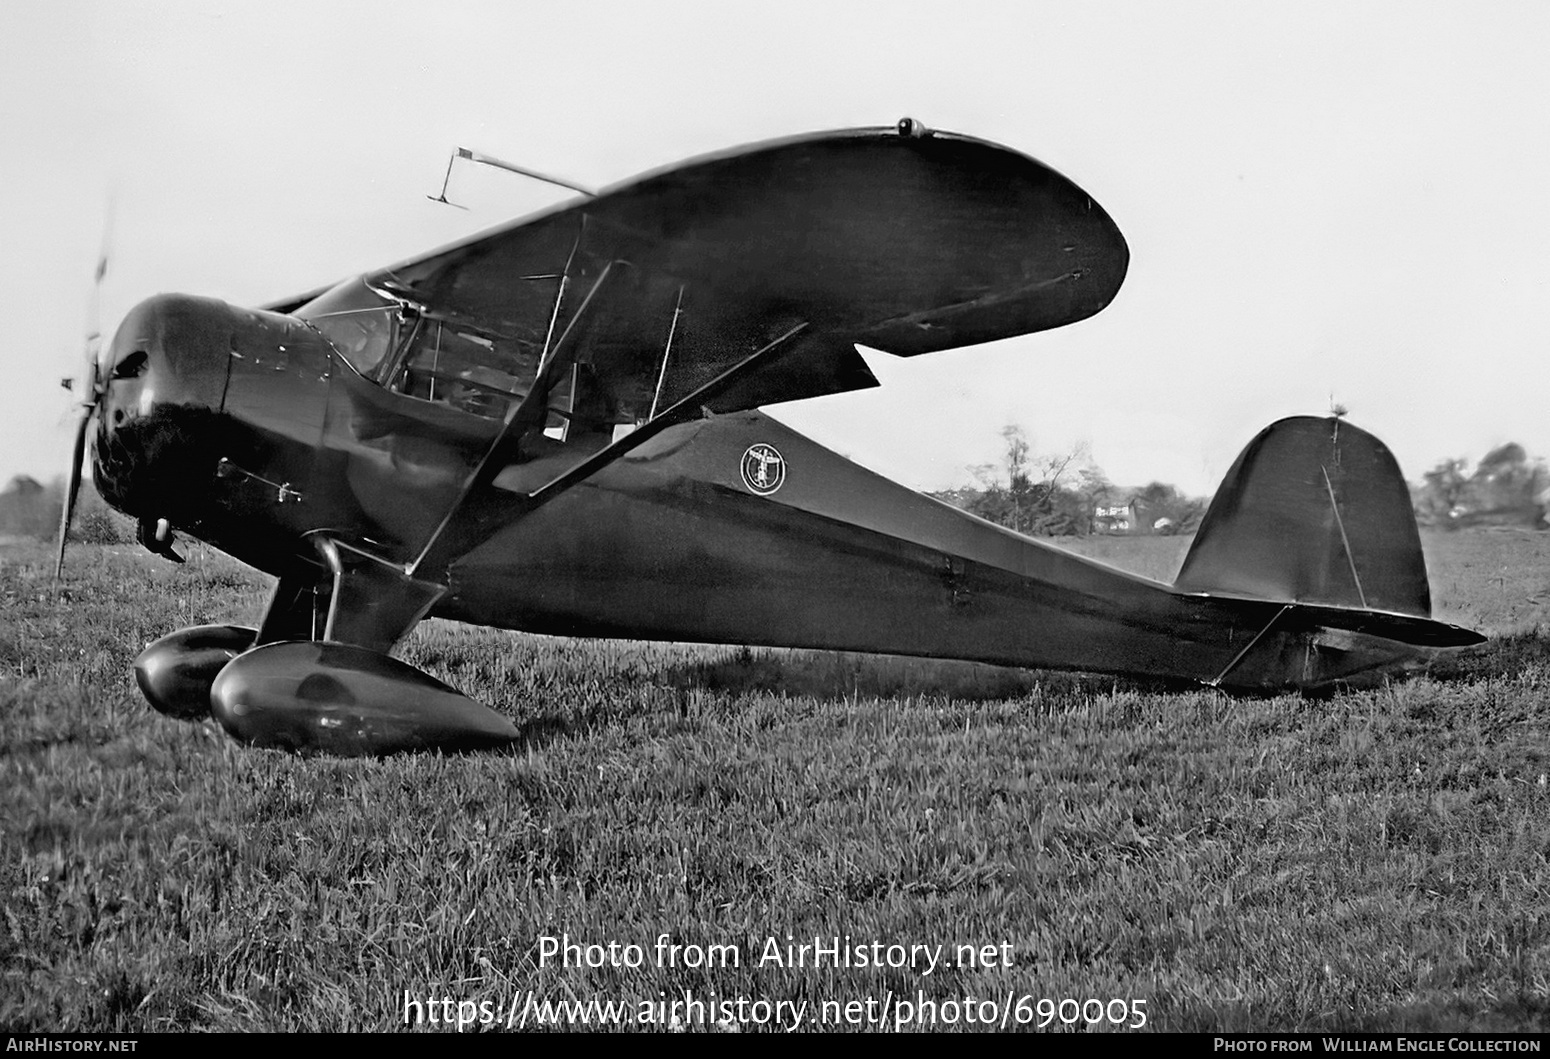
x: 295, y: 301
x: 904, y: 243
x: 728, y: 282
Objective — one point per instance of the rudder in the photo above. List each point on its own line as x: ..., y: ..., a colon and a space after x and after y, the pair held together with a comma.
x: 1313, y: 511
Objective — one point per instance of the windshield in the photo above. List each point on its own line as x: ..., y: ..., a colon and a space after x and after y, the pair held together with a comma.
x: 360, y: 323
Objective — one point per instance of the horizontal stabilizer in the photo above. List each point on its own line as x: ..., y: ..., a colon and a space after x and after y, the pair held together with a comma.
x: 1313, y: 511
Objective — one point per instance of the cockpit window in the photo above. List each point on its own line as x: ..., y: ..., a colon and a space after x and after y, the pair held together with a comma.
x: 361, y: 323
x: 363, y: 337
x: 462, y: 366
x: 411, y: 351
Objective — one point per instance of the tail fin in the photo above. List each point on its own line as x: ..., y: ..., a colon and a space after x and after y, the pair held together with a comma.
x: 1313, y: 511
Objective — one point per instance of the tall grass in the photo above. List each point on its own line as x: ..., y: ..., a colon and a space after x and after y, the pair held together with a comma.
x: 1374, y: 860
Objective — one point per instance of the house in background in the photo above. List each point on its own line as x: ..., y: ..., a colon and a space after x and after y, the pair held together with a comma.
x: 1141, y: 517
x: 1127, y: 518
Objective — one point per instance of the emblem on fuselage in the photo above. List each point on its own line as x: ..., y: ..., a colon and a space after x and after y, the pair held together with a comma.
x: 764, y: 470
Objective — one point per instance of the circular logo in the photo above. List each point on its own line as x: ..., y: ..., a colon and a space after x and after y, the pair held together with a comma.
x: 764, y: 471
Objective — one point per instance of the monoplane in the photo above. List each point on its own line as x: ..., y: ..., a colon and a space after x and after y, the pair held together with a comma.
x: 555, y: 426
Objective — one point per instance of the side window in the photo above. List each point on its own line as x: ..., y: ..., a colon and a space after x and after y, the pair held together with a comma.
x: 362, y: 336
x: 461, y: 366
x: 357, y: 320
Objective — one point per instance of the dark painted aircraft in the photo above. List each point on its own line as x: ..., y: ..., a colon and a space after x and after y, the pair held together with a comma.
x: 553, y: 426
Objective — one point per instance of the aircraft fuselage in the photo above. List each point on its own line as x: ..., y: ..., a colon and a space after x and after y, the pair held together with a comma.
x: 249, y: 431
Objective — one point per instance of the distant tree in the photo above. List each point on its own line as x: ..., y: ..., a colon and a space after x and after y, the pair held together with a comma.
x: 1058, y: 494
x: 1167, y: 510
x: 1088, y: 490
x: 28, y: 508
x: 1506, y: 480
x: 1039, y: 494
x: 1505, y: 488
x: 1441, y: 493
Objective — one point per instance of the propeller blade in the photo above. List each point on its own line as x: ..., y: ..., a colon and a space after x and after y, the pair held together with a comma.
x: 73, y: 489
x: 94, y: 382
x: 93, y: 386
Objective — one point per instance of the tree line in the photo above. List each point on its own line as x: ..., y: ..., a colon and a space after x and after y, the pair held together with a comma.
x: 1506, y: 488
x: 1042, y: 495
x: 30, y: 510
x: 1067, y: 494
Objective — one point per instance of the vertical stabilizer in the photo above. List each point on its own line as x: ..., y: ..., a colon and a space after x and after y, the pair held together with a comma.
x: 1313, y: 511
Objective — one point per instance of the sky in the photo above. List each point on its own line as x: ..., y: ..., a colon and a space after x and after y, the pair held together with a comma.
x: 1326, y: 203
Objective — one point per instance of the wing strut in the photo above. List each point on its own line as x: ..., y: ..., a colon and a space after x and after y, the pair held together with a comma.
x: 439, y: 552
x: 1237, y: 658
x: 666, y: 352
x: 520, y: 418
x: 676, y: 413
x: 559, y: 300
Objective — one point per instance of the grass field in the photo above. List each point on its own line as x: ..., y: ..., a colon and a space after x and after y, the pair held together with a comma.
x: 1373, y: 860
